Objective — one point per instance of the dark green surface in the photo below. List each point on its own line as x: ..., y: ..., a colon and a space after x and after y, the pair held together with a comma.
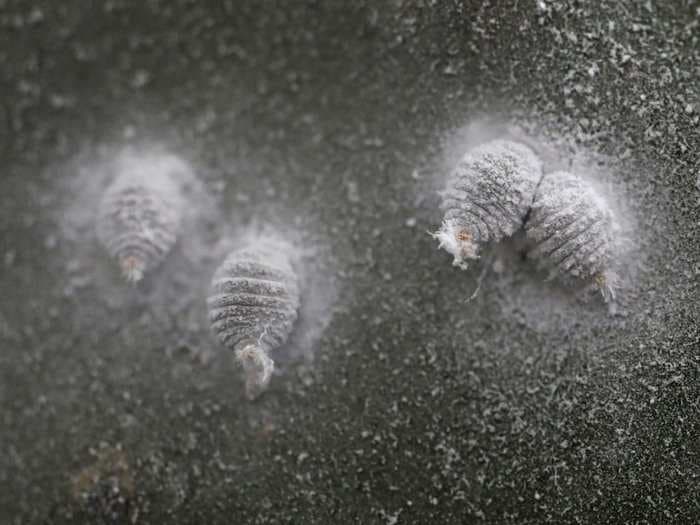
x: 418, y: 408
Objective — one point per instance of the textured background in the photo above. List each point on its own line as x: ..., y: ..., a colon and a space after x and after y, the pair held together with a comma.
x: 523, y: 406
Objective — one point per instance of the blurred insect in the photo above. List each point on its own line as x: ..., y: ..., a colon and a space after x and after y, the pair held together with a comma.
x: 487, y: 197
x: 253, y: 306
x: 139, y: 220
x: 106, y: 491
x: 572, y: 228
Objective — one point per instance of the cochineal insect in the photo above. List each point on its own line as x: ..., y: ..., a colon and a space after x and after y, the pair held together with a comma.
x: 253, y: 307
x: 487, y: 197
x: 139, y: 218
x: 573, y: 231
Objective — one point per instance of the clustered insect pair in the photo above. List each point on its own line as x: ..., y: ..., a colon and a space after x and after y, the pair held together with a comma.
x: 254, y: 295
x: 496, y: 190
x: 499, y: 188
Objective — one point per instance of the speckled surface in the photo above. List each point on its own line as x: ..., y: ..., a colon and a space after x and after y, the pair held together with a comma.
x: 524, y: 405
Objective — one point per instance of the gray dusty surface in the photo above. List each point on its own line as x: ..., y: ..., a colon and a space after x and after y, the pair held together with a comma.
x: 524, y: 405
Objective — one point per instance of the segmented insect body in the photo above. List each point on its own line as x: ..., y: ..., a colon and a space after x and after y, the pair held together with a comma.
x: 139, y: 220
x: 573, y: 230
x: 487, y: 197
x: 253, y: 307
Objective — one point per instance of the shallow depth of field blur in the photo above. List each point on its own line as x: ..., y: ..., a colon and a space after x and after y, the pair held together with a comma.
x: 333, y: 124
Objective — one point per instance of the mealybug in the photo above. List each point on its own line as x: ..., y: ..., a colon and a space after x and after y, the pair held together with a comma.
x: 253, y: 307
x: 139, y: 220
x: 573, y: 230
x: 487, y: 197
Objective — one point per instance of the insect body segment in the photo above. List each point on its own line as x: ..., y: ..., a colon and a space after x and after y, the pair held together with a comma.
x: 253, y: 306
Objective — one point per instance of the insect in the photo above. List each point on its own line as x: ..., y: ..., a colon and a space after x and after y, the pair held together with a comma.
x: 139, y: 220
x: 253, y: 307
x: 487, y: 197
x: 572, y: 228
x: 105, y: 491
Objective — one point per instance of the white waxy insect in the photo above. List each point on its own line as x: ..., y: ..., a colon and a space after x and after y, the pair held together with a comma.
x: 139, y: 219
x: 487, y: 197
x: 253, y: 306
x: 572, y: 228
